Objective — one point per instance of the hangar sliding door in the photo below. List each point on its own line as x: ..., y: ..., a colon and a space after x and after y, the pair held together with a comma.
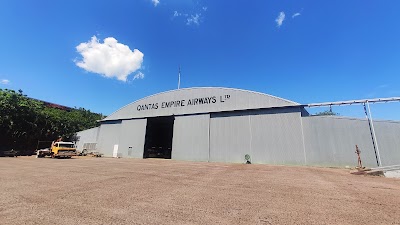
x: 108, y: 137
x: 132, y: 138
x: 191, y: 138
x: 269, y: 136
x: 229, y: 138
x: 277, y: 138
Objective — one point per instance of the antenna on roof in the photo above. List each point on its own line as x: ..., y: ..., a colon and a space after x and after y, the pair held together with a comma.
x: 179, y: 76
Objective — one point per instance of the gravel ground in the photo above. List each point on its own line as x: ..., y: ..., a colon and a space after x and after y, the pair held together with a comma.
x: 151, y: 191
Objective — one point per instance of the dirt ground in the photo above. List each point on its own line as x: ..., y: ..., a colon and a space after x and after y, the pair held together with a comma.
x: 151, y: 191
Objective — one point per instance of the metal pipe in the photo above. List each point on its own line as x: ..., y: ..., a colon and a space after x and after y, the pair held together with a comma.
x: 372, y: 136
x: 362, y: 101
x: 373, y: 132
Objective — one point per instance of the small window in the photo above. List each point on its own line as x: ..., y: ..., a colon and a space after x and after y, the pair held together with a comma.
x: 65, y: 145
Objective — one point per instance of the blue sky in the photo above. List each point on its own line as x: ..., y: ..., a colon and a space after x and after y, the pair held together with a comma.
x: 305, y: 51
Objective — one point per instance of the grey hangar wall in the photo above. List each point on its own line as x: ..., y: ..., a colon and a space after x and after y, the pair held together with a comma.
x: 224, y: 124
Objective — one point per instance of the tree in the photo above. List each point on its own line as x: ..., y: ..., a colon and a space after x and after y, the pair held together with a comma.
x: 24, y: 121
x: 326, y: 113
x: 18, y: 118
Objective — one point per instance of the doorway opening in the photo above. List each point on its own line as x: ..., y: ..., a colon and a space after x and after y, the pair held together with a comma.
x: 158, y: 141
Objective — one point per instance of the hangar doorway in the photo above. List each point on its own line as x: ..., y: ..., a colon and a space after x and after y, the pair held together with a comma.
x: 158, y: 141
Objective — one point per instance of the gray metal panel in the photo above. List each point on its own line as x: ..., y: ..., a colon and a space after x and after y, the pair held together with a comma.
x: 190, y: 140
x: 86, y: 136
x: 277, y: 139
x: 388, y: 138
x: 330, y: 141
x: 208, y: 100
x: 230, y: 138
x: 269, y: 136
x: 109, y: 134
x: 132, y: 137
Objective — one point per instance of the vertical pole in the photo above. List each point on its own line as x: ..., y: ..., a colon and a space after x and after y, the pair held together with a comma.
x: 209, y: 138
x: 179, y: 77
x: 372, y: 136
x: 373, y: 133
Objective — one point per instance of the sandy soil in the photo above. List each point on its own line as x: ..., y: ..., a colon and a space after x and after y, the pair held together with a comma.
x: 151, y: 191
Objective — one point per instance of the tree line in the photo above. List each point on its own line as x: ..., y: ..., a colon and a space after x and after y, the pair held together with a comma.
x: 25, y: 121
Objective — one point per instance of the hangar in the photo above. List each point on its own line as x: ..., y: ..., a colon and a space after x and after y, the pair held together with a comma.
x: 225, y: 124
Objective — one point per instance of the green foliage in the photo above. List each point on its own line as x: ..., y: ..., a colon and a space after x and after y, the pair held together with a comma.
x: 24, y: 121
x: 326, y: 113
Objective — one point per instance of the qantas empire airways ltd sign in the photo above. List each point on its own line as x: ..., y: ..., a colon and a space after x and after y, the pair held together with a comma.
x: 183, y: 103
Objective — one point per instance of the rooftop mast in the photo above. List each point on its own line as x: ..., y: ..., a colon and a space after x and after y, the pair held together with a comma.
x: 179, y: 77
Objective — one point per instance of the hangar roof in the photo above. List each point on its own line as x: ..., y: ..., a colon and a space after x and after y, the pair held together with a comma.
x: 198, y: 100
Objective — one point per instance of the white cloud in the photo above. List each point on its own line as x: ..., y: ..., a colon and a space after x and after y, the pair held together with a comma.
x: 383, y: 86
x: 193, y: 19
x: 193, y: 16
x: 4, y: 81
x: 155, y: 2
x: 279, y: 20
x: 110, y: 59
x: 138, y: 76
x: 296, y: 14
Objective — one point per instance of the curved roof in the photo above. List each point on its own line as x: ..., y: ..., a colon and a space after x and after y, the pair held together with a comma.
x: 198, y: 100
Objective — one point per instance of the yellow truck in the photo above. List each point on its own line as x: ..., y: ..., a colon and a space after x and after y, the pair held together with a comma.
x: 63, y: 150
x: 58, y: 149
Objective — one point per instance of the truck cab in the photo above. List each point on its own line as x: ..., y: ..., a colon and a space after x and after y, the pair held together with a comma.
x: 61, y: 149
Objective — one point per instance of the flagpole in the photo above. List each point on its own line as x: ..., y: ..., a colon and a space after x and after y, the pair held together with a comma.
x: 179, y: 77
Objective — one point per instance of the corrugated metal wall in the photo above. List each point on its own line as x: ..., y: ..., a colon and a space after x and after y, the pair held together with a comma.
x: 190, y: 141
x: 388, y: 138
x: 269, y: 136
x: 229, y: 138
x: 132, y: 137
x: 330, y: 141
x: 109, y: 135
x: 277, y: 139
x: 86, y: 136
